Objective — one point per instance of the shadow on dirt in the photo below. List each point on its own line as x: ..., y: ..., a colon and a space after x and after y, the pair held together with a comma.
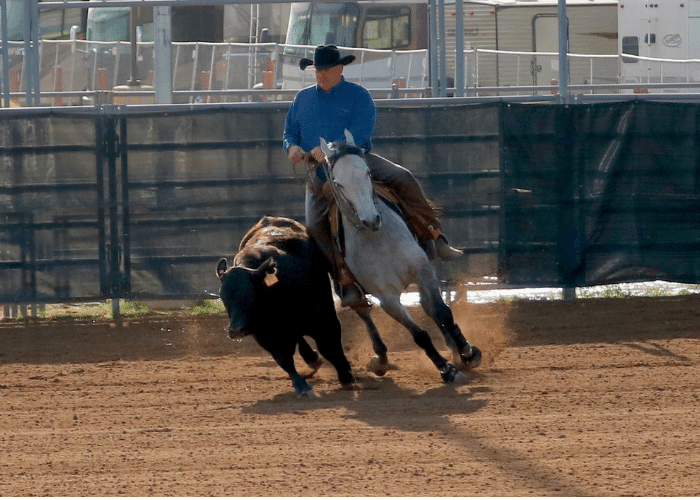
x: 383, y: 403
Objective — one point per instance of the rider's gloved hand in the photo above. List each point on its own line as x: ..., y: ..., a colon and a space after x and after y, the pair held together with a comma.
x: 318, y: 154
x: 295, y: 154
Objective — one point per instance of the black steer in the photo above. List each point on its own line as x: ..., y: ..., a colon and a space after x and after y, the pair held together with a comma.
x: 278, y: 290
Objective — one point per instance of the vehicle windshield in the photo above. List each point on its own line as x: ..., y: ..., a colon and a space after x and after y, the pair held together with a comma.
x: 323, y: 24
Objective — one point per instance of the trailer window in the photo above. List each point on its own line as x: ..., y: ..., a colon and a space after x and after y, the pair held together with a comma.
x: 387, y: 28
x: 324, y: 24
x: 630, y: 45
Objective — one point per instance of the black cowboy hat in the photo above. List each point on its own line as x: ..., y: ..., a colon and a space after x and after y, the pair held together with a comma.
x: 326, y: 56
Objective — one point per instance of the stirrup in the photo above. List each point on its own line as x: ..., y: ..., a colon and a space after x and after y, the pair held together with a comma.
x: 353, y: 296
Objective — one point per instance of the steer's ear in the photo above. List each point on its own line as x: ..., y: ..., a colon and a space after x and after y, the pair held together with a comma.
x: 269, y: 269
x: 221, y: 268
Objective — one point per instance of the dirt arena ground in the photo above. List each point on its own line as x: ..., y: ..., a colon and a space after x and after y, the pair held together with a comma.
x: 595, y: 397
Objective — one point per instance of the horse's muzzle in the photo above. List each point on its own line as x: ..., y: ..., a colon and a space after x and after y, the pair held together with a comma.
x: 374, y: 224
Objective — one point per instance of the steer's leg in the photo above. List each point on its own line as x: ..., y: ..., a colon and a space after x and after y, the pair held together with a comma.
x: 330, y: 345
x: 285, y: 359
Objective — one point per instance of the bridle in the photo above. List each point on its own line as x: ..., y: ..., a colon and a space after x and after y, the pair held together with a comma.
x: 344, y: 205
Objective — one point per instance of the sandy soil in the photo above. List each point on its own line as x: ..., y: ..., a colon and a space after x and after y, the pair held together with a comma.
x: 593, y: 397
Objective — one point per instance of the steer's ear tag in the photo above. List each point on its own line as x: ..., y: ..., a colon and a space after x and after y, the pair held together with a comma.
x: 271, y: 278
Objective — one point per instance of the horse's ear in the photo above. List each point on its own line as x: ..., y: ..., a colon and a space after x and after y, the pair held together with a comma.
x: 326, y: 150
x: 349, y: 139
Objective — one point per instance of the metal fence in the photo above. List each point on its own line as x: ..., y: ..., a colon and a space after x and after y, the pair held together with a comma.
x: 76, y: 72
x: 141, y: 201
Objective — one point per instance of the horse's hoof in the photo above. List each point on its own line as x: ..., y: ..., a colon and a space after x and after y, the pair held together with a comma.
x: 473, y: 360
x: 378, y: 365
x: 314, y: 367
x: 451, y: 375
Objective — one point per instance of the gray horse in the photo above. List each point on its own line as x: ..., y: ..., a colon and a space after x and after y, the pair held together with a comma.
x: 385, y: 258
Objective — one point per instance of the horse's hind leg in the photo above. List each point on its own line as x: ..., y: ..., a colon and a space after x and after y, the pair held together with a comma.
x: 310, y: 356
x: 466, y: 356
x: 380, y: 363
x: 393, y: 307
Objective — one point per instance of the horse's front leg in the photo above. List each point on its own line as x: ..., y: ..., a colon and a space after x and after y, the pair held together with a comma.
x: 393, y: 307
x: 465, y: 355
x: 380, y: 363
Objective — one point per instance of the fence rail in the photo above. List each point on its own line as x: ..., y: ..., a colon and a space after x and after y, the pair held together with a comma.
x: 138, y: 202
x: 75, y: 72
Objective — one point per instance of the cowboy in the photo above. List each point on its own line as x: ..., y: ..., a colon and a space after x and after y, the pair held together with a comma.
x: 325, y: 110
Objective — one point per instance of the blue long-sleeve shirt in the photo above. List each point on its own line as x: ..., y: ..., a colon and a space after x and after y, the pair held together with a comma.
x: 315, y: 114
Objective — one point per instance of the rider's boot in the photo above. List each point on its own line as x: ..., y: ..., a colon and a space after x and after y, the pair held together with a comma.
x: 444, y: 250
x: 439, y: 248
x: 349, y: 290
x: 352, y: 296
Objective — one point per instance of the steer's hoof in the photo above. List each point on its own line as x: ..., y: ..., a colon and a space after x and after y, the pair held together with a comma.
x: 306, y: 394
x: 347, y: 381
x: 451, y: 375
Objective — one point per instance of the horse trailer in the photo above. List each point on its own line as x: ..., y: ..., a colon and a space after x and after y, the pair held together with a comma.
x: 667, y: 32
x: 503, y: 25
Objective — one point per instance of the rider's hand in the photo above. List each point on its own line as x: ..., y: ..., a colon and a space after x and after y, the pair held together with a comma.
x: 318, y: 154
x: 295, y: 154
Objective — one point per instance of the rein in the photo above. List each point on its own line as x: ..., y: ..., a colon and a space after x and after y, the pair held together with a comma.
x: 310, y: 164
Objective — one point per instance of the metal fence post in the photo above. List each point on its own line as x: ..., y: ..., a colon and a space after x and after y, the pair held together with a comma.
x: 110, y: 251
x: 100, y: 202
x: 125, y: 283
x: 114, y: 249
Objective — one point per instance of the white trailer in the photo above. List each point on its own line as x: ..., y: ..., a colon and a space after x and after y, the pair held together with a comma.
x: 666, y: 34
x: 504, y: 25
x: 532, y: 26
